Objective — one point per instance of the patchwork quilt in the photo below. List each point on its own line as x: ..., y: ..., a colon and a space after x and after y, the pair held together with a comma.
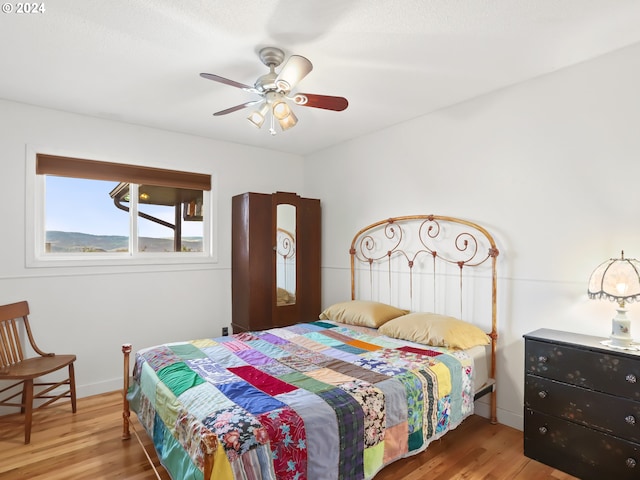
x: 318, y: 400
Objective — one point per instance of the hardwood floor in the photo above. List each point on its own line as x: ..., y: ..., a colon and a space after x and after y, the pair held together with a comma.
x: 88, y: 445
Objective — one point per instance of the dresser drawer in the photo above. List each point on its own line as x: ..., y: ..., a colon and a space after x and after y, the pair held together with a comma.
x: 615, y: 415
x: 617, y: 375
x: 580, y: 451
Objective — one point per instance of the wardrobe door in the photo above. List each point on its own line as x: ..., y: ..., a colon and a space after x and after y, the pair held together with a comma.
x: 309, y: 233
x: 296, y: 259
x: 251, y: 262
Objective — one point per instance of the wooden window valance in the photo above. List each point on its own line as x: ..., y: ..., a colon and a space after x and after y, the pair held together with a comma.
x: 96, y: 170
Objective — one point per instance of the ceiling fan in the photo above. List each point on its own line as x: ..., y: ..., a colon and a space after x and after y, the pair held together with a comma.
x: 275, y: 91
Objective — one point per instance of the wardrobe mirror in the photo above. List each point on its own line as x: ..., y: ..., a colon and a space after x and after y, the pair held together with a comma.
x: 286, y: 254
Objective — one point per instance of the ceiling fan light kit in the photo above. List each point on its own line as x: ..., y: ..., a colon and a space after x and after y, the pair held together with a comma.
x: 274, y: 88
x: 257, y: 118
x: 285, y: 116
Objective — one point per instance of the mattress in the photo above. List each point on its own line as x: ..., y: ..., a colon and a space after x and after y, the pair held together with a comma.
x: 481, y: 355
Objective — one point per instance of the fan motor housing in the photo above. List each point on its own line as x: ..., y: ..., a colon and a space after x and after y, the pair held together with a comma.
x: 266, y: 82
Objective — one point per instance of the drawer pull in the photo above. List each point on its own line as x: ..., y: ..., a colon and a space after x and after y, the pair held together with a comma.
x: 630, y: 419
x: 545, y: 359
x: 542, y: 394
x: 631, y: 463
x: 543, y: 431
x: 631, y: 378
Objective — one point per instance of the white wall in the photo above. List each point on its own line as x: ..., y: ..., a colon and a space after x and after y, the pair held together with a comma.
x: 92, y: 311
x: 550, y: 167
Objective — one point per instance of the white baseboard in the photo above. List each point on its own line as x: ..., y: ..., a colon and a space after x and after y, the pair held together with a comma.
x: 511, y: 419
x: 505, y: 417
x: 99, y: 387
x: 482, y: 408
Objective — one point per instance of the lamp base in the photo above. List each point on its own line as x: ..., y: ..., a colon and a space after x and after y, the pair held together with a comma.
x: 621, y: 329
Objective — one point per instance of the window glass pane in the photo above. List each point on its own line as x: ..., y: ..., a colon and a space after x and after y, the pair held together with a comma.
x: 193, y: 231
x: 91, y: 219
x: 80, y: 217
x: 169, y: 219
x: 156, y: 229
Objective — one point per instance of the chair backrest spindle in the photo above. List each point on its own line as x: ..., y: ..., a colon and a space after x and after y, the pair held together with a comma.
x: 10, y: 343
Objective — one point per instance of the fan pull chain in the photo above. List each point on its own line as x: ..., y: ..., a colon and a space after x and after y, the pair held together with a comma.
x: 272, y: 127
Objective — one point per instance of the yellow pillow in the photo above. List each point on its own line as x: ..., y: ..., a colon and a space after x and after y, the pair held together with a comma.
x: 435, y: 330
x: 362, y: 312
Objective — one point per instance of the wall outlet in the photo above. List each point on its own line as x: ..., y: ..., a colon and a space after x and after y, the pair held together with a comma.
x: 225, y: 331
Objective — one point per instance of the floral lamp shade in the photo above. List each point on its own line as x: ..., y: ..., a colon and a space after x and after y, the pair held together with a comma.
x: 617, y: 279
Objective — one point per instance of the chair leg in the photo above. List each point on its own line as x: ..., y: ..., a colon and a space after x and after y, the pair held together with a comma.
x: 27, y: 395
x: 23, y: 399
x: 72, y: 387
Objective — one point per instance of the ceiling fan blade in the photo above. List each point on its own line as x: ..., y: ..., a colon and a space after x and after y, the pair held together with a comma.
x: 226, y: 81
x: 296, y: 68
x: 326, y: 102
x: 236, y: 108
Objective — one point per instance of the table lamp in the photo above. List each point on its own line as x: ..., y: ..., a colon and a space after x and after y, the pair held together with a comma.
x: 617, y: 279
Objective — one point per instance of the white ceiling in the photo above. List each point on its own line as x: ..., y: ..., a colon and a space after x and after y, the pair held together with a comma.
x: 138, y: 61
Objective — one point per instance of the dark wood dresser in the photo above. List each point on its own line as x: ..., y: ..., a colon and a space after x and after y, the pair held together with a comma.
x: 582, y: 405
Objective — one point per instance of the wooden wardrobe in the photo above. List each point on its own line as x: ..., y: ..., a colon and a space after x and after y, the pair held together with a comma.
x: 275, y: 260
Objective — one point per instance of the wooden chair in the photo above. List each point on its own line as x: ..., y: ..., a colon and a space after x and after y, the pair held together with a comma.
x: 14, y: 366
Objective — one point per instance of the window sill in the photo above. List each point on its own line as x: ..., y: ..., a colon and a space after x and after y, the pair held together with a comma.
x: 120, y: 260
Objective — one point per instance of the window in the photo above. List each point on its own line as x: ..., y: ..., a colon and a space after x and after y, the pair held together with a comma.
x: 87, y: 212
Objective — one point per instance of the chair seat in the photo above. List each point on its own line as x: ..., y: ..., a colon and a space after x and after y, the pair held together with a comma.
x: 36, y: 366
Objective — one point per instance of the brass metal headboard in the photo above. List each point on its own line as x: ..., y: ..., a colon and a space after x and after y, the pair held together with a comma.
x: 418, y: 256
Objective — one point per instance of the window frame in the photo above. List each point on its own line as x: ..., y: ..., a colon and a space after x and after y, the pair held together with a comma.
x: 36, y: 256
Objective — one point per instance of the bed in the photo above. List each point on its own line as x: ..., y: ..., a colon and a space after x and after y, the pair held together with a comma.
x: 373, y: 379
